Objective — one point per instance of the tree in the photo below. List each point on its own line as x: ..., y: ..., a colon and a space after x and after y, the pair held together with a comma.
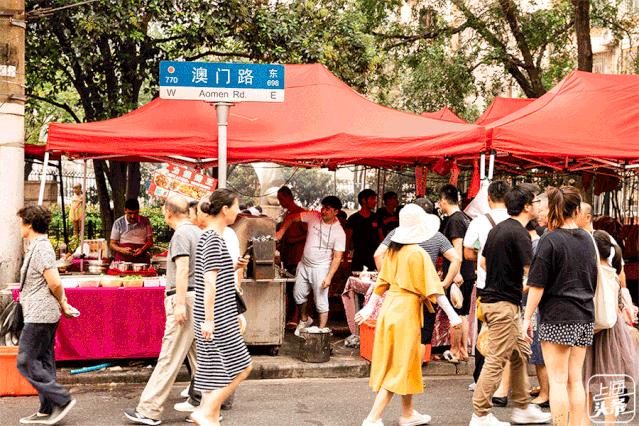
x: 533, y: 46
x: 107, y: 53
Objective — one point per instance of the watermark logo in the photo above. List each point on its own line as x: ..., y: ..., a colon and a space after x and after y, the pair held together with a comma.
x: 613, y: 398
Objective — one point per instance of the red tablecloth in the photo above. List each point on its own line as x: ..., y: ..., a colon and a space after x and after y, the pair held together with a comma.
x: 113, y: 323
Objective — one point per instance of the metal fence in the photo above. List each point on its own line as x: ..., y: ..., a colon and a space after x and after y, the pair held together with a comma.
x: 69, y: 179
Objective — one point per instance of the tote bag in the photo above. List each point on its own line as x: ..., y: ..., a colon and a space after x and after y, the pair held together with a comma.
x: 606, y: 298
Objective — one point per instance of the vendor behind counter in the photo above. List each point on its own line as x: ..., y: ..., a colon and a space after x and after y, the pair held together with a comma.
x: 132, y: 235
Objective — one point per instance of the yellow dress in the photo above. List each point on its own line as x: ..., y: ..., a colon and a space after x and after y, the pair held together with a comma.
x: 411, y: 279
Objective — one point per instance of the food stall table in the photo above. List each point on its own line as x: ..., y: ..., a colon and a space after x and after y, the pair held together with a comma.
x: 353, y: 287
x: 114, y: 323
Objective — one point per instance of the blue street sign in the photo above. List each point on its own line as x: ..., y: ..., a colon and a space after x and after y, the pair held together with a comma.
x: 221, y: 82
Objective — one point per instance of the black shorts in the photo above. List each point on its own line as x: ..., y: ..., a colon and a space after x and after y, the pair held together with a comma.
x: 429, y: 326
x: 467, y: 291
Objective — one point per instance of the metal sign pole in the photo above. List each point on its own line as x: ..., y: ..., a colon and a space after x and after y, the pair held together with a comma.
x: 222, y: 112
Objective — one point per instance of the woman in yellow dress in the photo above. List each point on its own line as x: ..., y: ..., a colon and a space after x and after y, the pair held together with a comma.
x: 409, y: 279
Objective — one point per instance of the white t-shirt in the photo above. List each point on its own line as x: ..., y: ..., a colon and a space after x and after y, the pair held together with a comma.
x: 476, y: 236
x: 233, y: 245
x: 321, y: 240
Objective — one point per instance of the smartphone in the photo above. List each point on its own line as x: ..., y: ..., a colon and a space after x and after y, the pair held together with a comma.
x: 247, y: 251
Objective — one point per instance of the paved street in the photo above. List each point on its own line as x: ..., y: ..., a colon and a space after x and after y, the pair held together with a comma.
x: 320, y: 402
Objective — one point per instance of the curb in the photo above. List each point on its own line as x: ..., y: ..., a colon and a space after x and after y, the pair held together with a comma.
x: 265, y: 368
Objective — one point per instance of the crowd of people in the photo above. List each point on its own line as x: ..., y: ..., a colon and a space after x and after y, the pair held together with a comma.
x: 532, y: 269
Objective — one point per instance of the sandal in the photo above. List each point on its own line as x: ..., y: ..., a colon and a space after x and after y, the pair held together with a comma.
x: 448, y: 356
x: 535, y: 390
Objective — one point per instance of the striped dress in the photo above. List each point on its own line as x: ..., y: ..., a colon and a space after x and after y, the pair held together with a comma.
x: 220, y: 360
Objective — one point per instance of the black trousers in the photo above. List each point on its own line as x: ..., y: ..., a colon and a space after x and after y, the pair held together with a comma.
x: 36, y: 363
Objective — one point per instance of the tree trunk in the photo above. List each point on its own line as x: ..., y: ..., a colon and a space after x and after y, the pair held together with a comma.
x: 134, y: 178
x: 103, y: 196
x: 582, y: 29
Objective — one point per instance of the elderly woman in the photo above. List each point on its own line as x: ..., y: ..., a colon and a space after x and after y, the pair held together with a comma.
x: 223, y: 360
x: 410, y: 279
x: 42, y: 297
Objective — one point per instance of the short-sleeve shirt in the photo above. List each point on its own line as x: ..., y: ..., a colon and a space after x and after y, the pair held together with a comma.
x: 39, y: 305
x: 565, y: 266
x: 508, y: 250
x: 455, y: 227
x: 233, y: 246
x: 183, y: 243
x: 132, y: 233
x: 382, y: 215
x: 476, y: 236
x: 365, y: 238
x: 435, y: 246
x: 321, y: 240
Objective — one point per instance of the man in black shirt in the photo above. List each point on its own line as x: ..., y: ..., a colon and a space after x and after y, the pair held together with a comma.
x: 388, y: 216
x: 362, y: 229
x: 455, y: 229
x: 506, y: 258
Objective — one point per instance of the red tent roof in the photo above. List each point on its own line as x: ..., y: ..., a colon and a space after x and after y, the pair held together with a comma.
x: 445, y: 114
x: 584, y: 116
x: 322, y: 121
x: 501, y: 107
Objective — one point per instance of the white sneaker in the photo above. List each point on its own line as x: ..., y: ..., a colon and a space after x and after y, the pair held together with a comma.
x: 472, y: 386
x: 367, y: 422
x: 185, y: 392
x: 184, y: 407
x: 415, y: 420
x: 487, y: 420
x: 530, y: 415
x: 302, y: 325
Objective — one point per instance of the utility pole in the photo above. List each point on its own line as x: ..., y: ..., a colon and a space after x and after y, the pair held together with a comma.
x: 12, y: 100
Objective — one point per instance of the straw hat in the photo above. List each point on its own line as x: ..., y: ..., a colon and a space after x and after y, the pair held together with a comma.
x: 415, y: 225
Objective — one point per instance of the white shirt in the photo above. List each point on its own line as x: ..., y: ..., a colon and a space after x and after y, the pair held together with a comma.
x: 233, y: 246
x: 477, y: 234
x: 321, y: 240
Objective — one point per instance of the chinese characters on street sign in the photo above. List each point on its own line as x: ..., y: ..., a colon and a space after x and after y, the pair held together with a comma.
x: 221, y: 82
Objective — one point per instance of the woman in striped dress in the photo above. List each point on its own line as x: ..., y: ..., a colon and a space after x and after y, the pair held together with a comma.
x: 222, y: 358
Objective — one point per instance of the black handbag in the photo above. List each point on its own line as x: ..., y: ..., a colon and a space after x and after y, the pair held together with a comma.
x: 12, y: 319
x: 241, y: 305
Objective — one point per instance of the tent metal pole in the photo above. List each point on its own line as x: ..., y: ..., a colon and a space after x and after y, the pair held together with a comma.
x: 64, y: 213
x: 491, y: 165
x: 482, y: 166
x: 222, y: 112
x: 84, y: 215
x: 43, y: 177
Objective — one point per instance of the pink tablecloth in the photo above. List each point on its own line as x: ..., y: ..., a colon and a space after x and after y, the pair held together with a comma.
x: 114, y: 323
x: 353, y: 287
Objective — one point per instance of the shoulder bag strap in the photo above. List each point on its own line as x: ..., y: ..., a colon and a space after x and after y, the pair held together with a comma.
x: 490, y: 219
x: 23, y: 278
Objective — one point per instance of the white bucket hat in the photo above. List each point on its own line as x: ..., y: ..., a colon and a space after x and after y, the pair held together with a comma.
x: 415, y: 225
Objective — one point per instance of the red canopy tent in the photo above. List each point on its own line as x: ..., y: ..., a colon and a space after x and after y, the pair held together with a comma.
x: 322, y: 122
x: 585, y: 121
x: 445, y: 114
x: 501, y: 107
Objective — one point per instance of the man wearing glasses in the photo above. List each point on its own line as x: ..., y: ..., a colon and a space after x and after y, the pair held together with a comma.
x: 132, y: 235
x: 323, y: 251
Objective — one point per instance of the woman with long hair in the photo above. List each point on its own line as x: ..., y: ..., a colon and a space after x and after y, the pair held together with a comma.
x: 409, y: 279
x: 223, y: 360
x: 561, y: 282
x: 614, y: 351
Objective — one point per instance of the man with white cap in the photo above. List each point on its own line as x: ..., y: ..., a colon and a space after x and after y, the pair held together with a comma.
x: 410, y: 279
